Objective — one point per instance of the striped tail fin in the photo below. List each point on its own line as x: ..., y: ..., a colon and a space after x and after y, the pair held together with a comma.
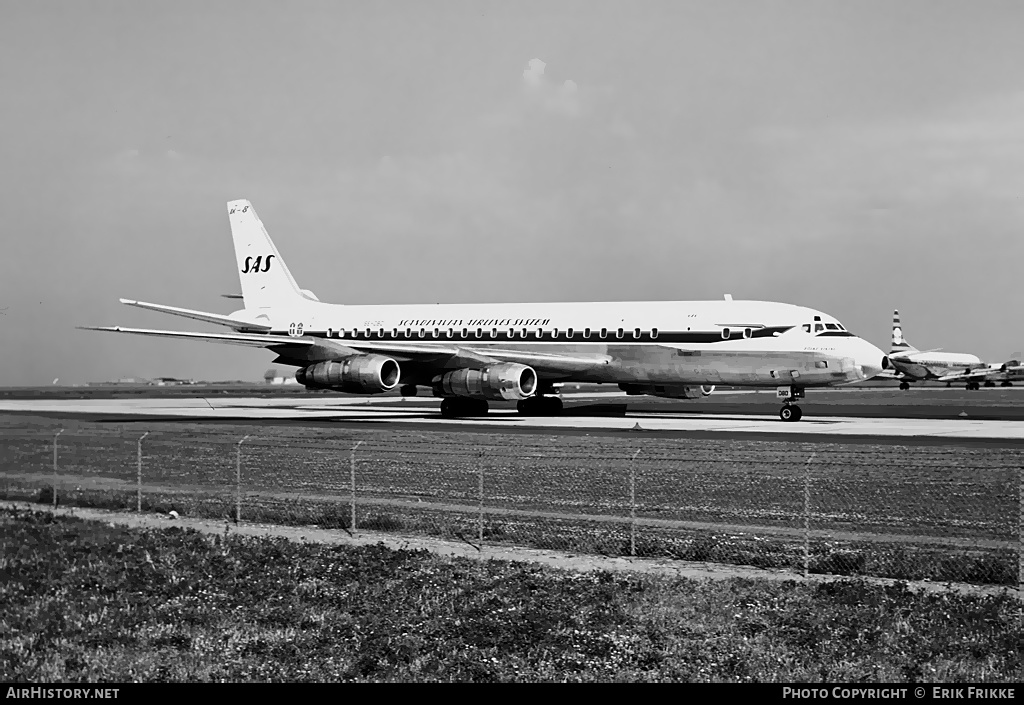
x: 899, y: 343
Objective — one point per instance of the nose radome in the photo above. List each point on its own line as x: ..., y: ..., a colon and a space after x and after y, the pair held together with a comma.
x: 872, y: 360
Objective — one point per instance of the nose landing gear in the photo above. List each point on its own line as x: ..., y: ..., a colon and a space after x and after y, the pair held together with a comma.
x: 454, y: 407
x: 789, y: 410
x: 538, y: 405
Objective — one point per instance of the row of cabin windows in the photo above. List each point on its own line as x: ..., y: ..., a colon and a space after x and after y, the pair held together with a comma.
x: 512, y: 332
x: 481, y: 333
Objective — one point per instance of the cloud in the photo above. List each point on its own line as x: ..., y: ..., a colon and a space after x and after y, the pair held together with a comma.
x: 533, y: 76
x: 561, y: 99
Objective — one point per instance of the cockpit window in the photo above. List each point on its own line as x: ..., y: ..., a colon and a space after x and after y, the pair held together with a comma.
x: 818, y: 328
x: 807, y: 327
x: 832, y: 326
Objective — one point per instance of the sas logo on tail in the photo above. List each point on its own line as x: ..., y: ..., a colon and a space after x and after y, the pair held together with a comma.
x: 252, y: 266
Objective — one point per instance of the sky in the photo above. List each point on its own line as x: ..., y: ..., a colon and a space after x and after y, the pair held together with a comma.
x: 850, y: 157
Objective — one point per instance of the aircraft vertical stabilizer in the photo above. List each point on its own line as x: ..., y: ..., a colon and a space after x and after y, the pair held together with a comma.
x: 899, y: 343
x: 264, y: 276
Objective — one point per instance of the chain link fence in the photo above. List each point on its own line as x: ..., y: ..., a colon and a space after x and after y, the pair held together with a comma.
x: 917, y: 512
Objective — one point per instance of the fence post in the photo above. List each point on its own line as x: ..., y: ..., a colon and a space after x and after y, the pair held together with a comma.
x: 238, y: 480
x: 138, y: 478
x: 55, y: 467
x: 352, y: 502
x: 632, y: 504
x: 807, y: 514
x: 480, y: 514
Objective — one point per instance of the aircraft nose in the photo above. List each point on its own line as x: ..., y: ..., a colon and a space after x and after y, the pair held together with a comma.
x: 871, y: 360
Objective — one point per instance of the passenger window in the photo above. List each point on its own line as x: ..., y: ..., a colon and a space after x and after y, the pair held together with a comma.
x: 725, y: 334
x: 540, y: 332
x: 479, y: 332
x: 568, y: 333
x: 747, y: 332
x: 636, y: 333
x: 451, y: 332
x: 494, y: 332
x: 586, y: 332
x: 654, y: 333
x: 604, y: 332
x: 618, y: 333
x: 465, y: 332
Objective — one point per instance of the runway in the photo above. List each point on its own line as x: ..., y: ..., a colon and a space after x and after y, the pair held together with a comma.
x: 601, y: 417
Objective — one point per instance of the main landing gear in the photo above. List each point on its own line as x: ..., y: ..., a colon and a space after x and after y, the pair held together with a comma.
x: 454, y: 407
x: 539, y: 406
x: 789, y: 410
x: 904, y: 386
x: 973, y: 385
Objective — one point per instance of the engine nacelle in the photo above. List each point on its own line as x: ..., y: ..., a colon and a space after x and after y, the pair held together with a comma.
x: 508, y: 380
x: 358, y: 374
x: 669, y: 392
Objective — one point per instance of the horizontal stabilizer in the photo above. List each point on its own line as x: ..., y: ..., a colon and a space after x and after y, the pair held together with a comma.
x: 252, y: 340
x: 214, y: 318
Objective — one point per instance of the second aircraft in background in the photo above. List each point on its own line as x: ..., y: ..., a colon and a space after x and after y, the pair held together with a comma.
x: 912, y: 365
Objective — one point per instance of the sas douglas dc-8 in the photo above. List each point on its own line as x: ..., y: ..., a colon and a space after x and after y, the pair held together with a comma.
x: 468, y: 354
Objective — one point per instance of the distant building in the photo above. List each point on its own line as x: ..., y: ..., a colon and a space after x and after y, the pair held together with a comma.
x: 272, y: 376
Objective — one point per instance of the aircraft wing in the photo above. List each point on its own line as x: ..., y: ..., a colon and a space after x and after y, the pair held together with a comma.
x: 550, y: 363
x: 214, y: 318
x: 252, y: 340
x: 445, y: 356
x: 978, y: 373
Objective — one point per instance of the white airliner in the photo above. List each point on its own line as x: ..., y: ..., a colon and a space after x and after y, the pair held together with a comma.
x: 911, y: 365
x: 1003, y: 372
x: 471, y: 353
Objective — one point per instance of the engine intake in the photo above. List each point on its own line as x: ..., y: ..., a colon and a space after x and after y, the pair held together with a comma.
x: 358, y: 374
x: 669, y: 391
x: 508, y: 380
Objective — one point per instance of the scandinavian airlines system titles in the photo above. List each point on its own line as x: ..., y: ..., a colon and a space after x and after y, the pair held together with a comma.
x: 474, y: 322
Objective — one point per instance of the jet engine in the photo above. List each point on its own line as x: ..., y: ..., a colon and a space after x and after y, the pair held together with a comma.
x: 507, y: 380
x: 670, y: 392
x: 358, y: 374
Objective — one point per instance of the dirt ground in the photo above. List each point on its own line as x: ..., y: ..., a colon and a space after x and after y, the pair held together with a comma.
x: 553, y: 559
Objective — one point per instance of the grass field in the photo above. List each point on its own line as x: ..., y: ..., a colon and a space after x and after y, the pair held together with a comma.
x: 84, y: 601
x: 944, y: 513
